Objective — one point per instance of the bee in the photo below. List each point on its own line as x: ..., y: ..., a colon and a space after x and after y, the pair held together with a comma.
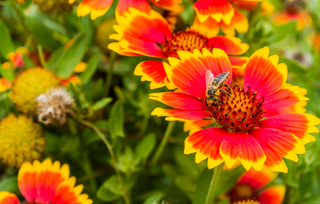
x: 214, y: 86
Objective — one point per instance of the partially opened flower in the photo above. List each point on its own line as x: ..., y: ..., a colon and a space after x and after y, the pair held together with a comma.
x: 224, y: 15
x: 246, y: 125
x: 251, y: 188
x: 46, y: 182
x: 21, y: 140
x: 4, y: 84
x: 149, y: 34
x: 30, y: 84
x: 98, y: 8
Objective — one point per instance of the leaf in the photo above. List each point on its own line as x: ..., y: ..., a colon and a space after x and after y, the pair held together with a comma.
x: 91, y: 68
x: 55, y: 58
x: 293, y: 65
x: 6, y: 42
x: 283, y: 31
x: 106, y: 195
x: 306, y: 182
x: 72, y: 56
x: 7, y: 73
x: 155, y: 198
x: 145, y: 147
x: 9, y: 184
x: 102, y: 103
x: 116, y: 120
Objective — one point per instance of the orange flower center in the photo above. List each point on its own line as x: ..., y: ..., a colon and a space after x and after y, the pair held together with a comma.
x: 184, y: 40
x: 242, y: 194
x: 240, y: 110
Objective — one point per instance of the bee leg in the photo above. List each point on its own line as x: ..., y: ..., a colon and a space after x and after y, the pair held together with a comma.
x: 227, y: 87
x: 219, y: 101
x: 224, y: 91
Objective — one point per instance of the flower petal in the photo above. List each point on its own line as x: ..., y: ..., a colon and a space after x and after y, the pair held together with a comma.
x: 152, y: 71
x: 276, y: 144
x: 240, y: 145
x: 170, y: 5
x: 208, y: 28
x: 263, y: 75
x: 124, y: 5
x: 97, y: 8
x: 8, y: 198
x: 180, y: 115
x: 188, y: 74
x: 230, y: 44
x: 257, y: 179
x: 218, y: 10
x: 272, y: 195
x: 238, y: 22
x: 298, y: 124
x: 179, y: 100
x: 206, y: 143
x: 194, y: 126
x: 139, y: 33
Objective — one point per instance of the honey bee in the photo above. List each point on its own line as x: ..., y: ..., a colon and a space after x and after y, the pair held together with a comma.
x: 214, y: 86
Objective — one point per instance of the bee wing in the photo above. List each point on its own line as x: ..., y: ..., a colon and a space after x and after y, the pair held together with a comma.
x: 209, y: 78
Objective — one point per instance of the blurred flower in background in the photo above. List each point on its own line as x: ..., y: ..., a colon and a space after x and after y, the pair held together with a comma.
x: 253, y: 188
x: 46, y: 182
x: 54, y: 6
x: 21, y: 140
x: 30, y: 84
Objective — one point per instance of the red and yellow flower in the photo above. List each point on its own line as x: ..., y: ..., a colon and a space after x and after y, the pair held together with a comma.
x: 4, y: 84
x: 251, y: 188
x: 216, y: 15
x: 149, y: 34
x: 46, y: 182
x: 246, y: 125
x: 98, y: 8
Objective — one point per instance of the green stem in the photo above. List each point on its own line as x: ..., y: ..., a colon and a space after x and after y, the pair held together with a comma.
x: 20, y: 16
x: 163, y: 143
x: 109, y: 73
x: 213, y: 184
x: 112, y: 155
x: 42, y: 60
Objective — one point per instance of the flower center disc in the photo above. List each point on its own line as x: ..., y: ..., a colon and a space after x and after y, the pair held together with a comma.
x: 242, y: 193
x: 184, y: 40
x: 240, y: 110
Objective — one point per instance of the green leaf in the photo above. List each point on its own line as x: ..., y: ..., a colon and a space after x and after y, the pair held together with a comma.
x: 113, y: 185
x: 55, y: 58
x: 283, y: 32
x: 9, y: 184
x: 91, y: 68
x: 106, y: 195
x: 72, y: 56
x: 102, y: 103
x: 145, y: 146
x: 7, y: 73
x: 306, y: 182
x: 6, y: 42
x: 154, y: 198
x: 293, y: 65
x: 116, y: 120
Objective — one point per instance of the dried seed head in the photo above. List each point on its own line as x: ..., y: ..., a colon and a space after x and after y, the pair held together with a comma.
x: 54, y: 105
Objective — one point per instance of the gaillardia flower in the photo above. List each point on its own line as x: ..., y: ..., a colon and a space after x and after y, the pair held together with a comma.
x: 30, y: 84
x: 53, y: 6
x: 46, y: 182
x: 251, y: 189
x: 246, y: 125
x: 223, y: 14
x: 54, y: 106
x: 149, y: 34
x: 21, y: 140
x: 98, y: 8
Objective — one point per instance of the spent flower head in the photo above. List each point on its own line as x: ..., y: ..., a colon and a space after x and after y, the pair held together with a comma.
x: 54, y: 105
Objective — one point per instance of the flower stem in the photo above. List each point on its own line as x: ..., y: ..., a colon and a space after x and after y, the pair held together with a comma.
x: 42, y: 60
x: 213, y: 184
x: 163, y: 143
x: 109, y: 147
x: 20, y: 16
x: 109, y: 73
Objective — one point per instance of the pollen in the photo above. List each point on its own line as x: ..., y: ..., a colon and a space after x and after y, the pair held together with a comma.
x: 21, y: 140
x: 242, y: 194
x: 247, y: 202
x: 30, y: 84
x: 185, y: 40
x: 241, y: 110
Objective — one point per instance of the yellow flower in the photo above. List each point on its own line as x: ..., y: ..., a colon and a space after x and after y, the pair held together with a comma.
x: 21, y: 140
x: 30, y: 84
